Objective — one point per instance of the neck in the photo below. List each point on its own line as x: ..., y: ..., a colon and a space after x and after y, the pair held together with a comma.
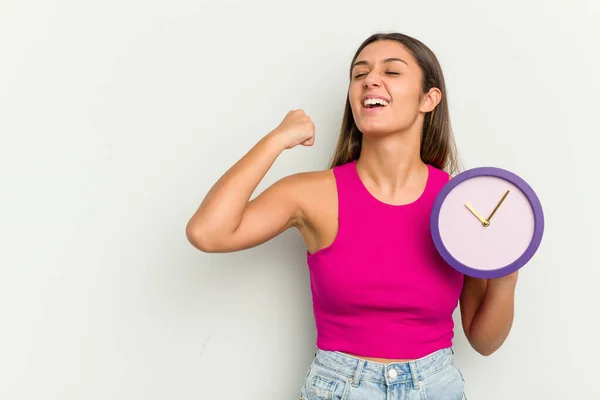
x: 391, y: 162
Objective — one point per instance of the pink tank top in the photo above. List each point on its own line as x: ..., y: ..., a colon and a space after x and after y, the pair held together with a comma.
x: 381, y: 289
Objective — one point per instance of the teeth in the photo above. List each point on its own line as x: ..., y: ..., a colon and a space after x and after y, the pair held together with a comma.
x: 368, y: 102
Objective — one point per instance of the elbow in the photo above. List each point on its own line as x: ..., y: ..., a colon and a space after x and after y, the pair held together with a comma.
x: 199, y: 238
x: 486, y: 352
x: 484, y: 349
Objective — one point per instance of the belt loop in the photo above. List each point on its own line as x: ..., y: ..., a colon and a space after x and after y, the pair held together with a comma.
x: 359, y: 367
x: 414, y: 374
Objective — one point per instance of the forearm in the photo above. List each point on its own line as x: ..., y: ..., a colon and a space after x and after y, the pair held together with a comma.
x: 223, y: 206
x: 493, y: 320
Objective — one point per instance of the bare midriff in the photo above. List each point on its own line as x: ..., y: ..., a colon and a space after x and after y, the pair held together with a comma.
x: 379, y: 360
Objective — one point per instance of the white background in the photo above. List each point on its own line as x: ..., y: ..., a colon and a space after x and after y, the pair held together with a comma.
x: 118, y: 116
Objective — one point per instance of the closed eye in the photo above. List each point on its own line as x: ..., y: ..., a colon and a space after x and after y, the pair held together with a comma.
x: 364, y: 73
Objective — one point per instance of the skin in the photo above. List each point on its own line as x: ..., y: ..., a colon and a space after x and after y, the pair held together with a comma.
x: 389, y: 166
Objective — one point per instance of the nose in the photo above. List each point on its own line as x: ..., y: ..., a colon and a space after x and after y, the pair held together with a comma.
x: 371, y: 80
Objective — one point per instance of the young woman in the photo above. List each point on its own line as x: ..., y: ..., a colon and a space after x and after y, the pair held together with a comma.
x: 383, y: 298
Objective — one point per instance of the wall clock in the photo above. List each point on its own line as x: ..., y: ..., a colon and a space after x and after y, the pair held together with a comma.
x: 487, y: 222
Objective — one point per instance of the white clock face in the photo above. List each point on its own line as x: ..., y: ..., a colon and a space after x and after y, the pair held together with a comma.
x: 466, y: 237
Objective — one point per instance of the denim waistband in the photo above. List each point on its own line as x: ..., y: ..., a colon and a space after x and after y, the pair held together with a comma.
x: 359, y: 369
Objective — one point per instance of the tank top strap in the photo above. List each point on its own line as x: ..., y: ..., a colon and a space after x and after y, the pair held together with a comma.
x: 436, y: 181
x: 347, y: 185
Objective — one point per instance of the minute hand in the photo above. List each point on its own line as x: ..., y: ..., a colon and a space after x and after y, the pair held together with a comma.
x: 498, y: 205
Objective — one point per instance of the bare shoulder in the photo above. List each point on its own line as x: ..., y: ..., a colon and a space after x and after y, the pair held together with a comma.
x: 312, y: 177
x: 315, y: 179
x: 315, y: 194
x: 296, y: 198
x: 311, y: 188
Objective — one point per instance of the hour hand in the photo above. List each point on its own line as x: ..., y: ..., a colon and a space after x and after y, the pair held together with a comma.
x: 483, y: 221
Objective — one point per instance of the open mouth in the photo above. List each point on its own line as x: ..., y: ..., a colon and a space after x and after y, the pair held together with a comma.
x: 375, y: 103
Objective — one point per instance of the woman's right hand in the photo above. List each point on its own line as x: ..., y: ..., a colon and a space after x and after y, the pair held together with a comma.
x: 296, y: 128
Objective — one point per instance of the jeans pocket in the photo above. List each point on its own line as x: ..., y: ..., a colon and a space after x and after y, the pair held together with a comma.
x: 464, y: 396
x: 325, y: 384
x: 302, y: 395
x: 459, y: 372
x: 447, y: 383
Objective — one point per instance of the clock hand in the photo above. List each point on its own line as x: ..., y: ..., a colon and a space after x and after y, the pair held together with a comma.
x: 498, y: 205
x: 483, y: 221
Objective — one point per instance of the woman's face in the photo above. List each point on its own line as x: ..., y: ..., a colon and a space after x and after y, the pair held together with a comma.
x: 385, y: 89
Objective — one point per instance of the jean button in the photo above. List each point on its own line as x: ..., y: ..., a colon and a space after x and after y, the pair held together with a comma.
x: 392, y: 373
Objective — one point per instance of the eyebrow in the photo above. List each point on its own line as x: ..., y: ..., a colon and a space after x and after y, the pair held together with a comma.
x: 387, y: 60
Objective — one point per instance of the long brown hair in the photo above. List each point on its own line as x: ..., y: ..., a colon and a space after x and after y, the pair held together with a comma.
x: 437, y: 141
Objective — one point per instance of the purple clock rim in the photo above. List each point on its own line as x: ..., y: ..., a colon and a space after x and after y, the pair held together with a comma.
x: 538, y: 215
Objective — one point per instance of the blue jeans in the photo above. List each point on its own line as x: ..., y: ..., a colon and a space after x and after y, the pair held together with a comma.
x: 336, y: 376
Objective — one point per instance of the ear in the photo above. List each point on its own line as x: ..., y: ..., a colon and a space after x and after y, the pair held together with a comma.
x: 431, y: 100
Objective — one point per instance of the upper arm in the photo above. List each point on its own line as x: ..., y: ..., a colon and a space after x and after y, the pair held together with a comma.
x: 470, y: 299
x: 272, y: 212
